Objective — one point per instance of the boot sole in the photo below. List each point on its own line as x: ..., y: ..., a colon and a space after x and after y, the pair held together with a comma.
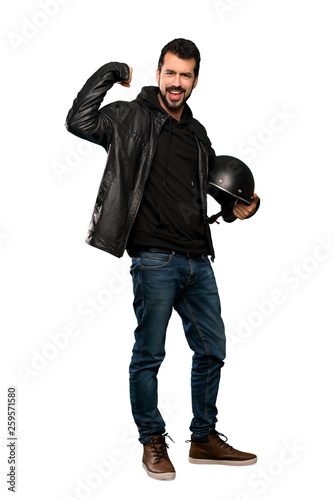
x: 221, y: 462
x: 161, y: 476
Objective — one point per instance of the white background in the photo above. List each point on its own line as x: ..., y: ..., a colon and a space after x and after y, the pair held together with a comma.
x: 260, y: 59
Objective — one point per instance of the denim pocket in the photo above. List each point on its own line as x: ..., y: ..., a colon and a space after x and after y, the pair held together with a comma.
x: 152, y: 260
x: 135, y: 261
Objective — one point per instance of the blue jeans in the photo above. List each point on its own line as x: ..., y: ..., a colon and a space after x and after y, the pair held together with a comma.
x: 161, y: 283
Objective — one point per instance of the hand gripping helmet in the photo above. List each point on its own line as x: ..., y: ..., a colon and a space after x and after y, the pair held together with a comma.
x: 230, y: 175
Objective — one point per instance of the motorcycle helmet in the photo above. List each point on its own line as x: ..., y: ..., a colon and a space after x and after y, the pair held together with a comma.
x: 229, y: 176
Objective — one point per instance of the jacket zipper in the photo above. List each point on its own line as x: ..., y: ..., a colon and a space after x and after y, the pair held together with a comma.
x: 206, y: 225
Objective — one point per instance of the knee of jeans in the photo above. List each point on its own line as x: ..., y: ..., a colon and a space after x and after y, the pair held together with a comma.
x: 222, y: 354
x: 155, y: 357
x: 149, y: 359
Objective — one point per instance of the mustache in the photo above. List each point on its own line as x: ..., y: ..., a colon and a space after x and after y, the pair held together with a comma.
x: 180, y: 89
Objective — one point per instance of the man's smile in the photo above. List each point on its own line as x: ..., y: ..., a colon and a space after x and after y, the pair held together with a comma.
x: 175, y: 94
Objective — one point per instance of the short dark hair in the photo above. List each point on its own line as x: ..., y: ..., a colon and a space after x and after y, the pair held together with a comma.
x: 184, y: 49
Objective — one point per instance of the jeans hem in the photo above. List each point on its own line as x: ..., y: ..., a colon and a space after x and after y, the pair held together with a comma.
x: 145, y: 440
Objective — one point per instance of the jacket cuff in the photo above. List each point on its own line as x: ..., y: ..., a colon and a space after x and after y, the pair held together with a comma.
x: 115, y: 67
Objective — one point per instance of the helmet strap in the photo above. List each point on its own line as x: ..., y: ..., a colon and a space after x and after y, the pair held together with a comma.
x: 214, y: 218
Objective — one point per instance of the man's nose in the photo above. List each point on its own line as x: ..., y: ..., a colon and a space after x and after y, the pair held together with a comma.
x: 177, y: 81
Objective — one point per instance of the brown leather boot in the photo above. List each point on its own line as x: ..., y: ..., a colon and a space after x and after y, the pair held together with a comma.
x: 213, y: 450
x: 155, y: 459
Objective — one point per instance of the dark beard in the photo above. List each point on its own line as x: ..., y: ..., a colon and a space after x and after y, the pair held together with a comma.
x: 176, y: 106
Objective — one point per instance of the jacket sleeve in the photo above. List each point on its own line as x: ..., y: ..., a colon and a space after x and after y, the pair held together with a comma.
x: 84, y: 118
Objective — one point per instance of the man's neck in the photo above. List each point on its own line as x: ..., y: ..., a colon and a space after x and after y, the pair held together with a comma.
x: 176, y: 114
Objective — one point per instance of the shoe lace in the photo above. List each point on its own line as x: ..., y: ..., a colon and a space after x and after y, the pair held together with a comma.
x: 222, y: 442
x: 160, y: 447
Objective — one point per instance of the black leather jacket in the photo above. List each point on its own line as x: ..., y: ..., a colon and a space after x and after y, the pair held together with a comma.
x: 129, y: 132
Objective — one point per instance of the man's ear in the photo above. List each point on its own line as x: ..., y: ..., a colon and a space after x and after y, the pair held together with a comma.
x: 195, y: 81
x: 157, y: 75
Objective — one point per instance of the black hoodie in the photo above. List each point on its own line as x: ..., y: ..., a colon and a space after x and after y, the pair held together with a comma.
x: 170, y: 214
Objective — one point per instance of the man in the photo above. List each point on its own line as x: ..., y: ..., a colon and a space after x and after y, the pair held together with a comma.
x: 152, y: 202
